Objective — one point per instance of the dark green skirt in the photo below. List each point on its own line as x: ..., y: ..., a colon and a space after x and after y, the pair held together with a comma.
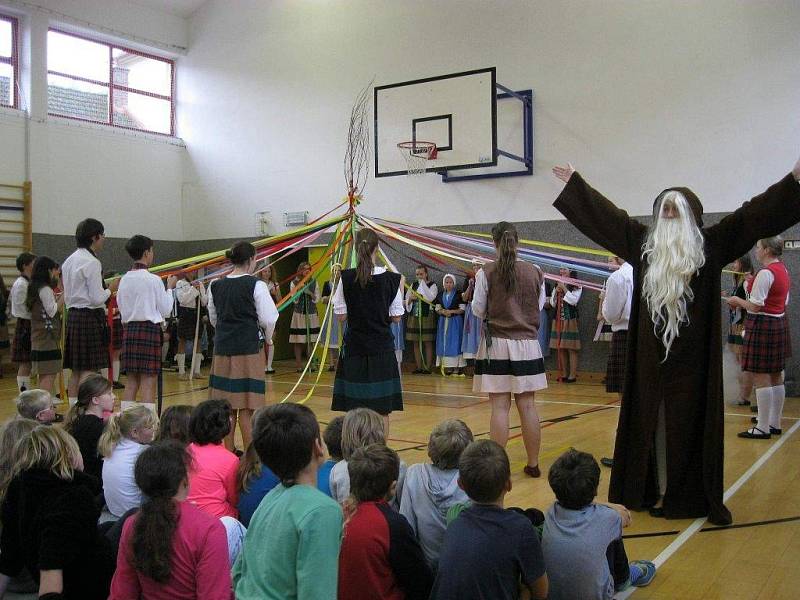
x: 369, y: 382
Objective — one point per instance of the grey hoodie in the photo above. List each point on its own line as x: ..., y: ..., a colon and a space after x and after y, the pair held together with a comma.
x: 428, y: 494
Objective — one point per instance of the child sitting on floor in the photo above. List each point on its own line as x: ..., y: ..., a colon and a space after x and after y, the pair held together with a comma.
x: 36, y: 405
x: 333, y: 441
x: 431, y: 489
x: 489, y: 552
x: 380, y: 557
x: 582, y: 541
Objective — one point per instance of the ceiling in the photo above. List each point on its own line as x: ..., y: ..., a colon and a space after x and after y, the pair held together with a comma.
x: 179, y: 8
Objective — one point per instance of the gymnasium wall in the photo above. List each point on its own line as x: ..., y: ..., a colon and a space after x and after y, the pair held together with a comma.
x: 130, y: 181
x: 638, y: 95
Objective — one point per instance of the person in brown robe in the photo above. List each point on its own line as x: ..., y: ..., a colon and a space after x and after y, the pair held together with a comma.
x: 673, y: 379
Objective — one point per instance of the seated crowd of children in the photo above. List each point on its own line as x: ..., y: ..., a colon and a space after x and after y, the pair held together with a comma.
x: 123, y: 506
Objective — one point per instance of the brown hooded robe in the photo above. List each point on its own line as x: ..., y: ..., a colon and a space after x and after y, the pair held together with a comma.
x: 689, y: 382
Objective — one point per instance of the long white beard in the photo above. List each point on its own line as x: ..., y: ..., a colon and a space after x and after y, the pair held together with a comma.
x: 674, y: 253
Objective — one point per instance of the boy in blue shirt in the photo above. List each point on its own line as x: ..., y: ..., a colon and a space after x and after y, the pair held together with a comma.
x: 333, y: 441
x: 581, y: 540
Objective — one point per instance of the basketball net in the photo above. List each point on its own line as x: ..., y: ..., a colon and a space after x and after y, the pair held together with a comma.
x: 417, y: 156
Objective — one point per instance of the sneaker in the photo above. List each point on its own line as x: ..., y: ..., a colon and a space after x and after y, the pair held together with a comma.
x: 648, y: 570
x: 117, y: 386
x: 754, y: 433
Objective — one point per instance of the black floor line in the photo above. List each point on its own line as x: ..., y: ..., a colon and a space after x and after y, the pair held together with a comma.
x: 714, y: 528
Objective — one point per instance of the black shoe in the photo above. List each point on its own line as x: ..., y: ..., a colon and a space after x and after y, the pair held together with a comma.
x: 331, y: 369
x: 744, y: 403
x: 754, y: 420
x: 754, y: 433
x: 775, y: 431
x: 58, y: 418
x: 117, y: 386
x: 269, y: 371
x: 657, y: 512
x: 607, y: 462
x: 417, y: 372
x: 754, y: 408
x: 570, y: 380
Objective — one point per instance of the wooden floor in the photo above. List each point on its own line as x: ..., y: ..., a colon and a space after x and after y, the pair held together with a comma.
x: 758, y: 557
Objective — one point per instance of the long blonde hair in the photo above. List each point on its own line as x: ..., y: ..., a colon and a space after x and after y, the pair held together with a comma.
x: 11, y: 433
x: 121, y: 425
x: 361, y: 427
x: 49, y: 448
x: 674, y: 253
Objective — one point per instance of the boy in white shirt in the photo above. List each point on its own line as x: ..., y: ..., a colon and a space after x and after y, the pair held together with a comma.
x: 143, y: 304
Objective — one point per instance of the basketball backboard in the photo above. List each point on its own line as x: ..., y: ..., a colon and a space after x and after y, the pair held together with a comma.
x: 457, y: 112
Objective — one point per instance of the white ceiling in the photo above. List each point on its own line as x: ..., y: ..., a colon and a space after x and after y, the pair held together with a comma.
x: 180, y: 8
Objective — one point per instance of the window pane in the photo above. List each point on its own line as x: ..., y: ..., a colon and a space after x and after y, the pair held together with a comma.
x: 142, y: 112
x: 6, y: 84
x: 76, y: 56
x: 72, y: 98
x: 5, y: 38
x: 141, y: 73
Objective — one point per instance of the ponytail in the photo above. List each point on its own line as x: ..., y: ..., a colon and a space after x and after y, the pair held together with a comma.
x: 505, y: 239
x: 122, y: 425
x: 93, y: 386
x: 366, y: 242
x: 159, y: 472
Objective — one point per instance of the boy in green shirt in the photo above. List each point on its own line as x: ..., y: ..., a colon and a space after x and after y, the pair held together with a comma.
x: 291, y: 549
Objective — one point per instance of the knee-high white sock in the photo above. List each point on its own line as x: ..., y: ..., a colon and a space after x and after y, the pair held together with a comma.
x: 116, y: 370
x: 198, y: 362
x: 23, y: 382
x: 776, y: 407
x: 181, y: 360
x: 764, y: 400
x: 270, y: 354
x: 398, y: 354
x: 164, y: 351
x: 104, y: 372
x: 125, y: 404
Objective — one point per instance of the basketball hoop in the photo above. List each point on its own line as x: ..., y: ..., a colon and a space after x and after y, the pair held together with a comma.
x: 417, y: 154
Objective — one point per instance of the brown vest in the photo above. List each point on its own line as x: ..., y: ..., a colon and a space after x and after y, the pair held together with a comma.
x: 515, y: 315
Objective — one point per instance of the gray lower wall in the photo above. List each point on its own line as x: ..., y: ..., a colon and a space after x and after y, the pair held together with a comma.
x: 592, y: 356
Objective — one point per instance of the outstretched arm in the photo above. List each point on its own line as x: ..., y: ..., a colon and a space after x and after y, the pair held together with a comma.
x: 597, y: 218
x: 768, y: 214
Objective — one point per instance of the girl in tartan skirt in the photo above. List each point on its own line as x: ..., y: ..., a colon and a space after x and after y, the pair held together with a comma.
x: 45, y: 309
x: 764, y: 348
x: 565, y: 330
x: 21, y: 348
x: 143, y: 304
x: 239, y: 305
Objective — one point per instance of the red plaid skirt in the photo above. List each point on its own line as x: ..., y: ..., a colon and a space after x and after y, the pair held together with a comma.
x: 141, y: 347
x: 617, y: 356
x: 21, y: 348
x: 116, y: 334
x: 86, y: 346
x: 764, y: 348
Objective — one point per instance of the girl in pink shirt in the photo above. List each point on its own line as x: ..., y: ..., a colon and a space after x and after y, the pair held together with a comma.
x: 170, y: 550
x: 212, y: 476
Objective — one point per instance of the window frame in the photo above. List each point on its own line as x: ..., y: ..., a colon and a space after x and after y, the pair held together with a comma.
x: 112, y: 87
x: 13, y: 60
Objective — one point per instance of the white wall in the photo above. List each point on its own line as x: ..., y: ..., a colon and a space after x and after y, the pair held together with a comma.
x: 132, y: 182
x: 638, y: 95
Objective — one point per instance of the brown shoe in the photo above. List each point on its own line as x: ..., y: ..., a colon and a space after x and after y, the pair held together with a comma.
x: 532, y: 471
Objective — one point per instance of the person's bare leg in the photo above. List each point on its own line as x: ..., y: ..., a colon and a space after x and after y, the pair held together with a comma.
x: 429, y: 355
x: 573, y: 364
x: 531, y: 428
x: 298, y: 356
x: 46, y: 382
x: 246, y: 426
x: 24, y: 370
x: 147, y: 385
x: 498, y: 422
x: 417, y: 356
x: 334, y: 357
x: 134, y: 380
x: 563, y: 361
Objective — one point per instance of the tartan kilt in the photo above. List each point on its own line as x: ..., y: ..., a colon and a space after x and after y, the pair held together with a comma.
x: 86, y: 346
x: 569, y: 338
x: 117, y: 334
x: 141, y: 347
x: 371, y: 381
x: 764, y: 349
x: 615, y: 367
x: 187, y: 319
x: 21, y: 349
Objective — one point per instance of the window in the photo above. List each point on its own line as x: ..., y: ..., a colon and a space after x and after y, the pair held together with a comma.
x: 104, y: 83
x: 9, y: 63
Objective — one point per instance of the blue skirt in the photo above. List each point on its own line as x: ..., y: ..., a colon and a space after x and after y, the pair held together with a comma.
x: 472, y: 333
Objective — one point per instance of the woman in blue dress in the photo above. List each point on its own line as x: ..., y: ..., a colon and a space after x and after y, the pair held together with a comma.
x: 472, y: 327
x: 450, y: 328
